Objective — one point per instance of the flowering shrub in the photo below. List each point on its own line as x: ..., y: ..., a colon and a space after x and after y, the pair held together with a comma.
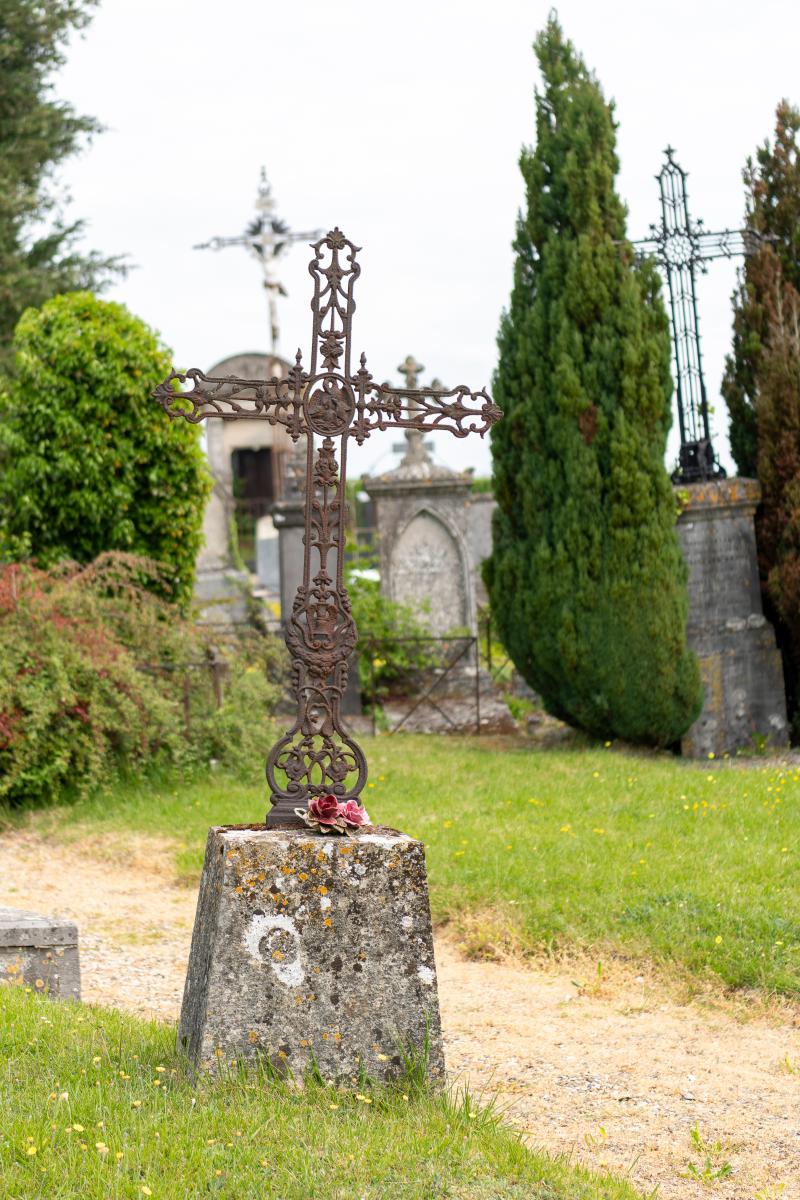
x: 98, y: 674
x: 391, y: 637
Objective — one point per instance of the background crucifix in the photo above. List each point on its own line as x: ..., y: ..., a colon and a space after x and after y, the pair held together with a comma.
x: 415, y: 447
x: 681, y: 246
x: 267, y: 237
x: 329, y: 404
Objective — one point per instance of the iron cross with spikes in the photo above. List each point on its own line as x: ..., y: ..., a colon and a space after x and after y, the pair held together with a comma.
x: 683, y: 246
x: 328, y: 403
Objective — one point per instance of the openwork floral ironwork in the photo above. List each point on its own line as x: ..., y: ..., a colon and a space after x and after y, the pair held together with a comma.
x: 682, y: 246
x: 329, y: 403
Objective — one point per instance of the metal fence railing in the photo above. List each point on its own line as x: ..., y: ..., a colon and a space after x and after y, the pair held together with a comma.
x: 426, y: 678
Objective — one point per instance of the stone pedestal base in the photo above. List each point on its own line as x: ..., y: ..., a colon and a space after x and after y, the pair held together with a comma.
x: 312, y: 949
x: 741, y: 666
x: 40, y: 953
x: 744, y: 697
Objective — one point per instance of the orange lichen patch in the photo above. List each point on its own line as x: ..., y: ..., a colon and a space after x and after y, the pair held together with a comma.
x: 327, y: 922
x: 302, y: 876
x: 323, y: 891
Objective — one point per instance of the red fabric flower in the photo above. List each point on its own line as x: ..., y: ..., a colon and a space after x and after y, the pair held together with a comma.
x: 353, y: 814
x: 324, y: 809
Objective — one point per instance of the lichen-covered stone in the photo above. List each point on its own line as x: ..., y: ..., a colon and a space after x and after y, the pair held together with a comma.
x: 312, y: 949
x: 735, y: 644
x: 40, y: 953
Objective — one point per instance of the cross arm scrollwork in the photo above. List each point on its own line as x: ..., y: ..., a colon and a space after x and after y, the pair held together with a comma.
x: 458, y: 410
x: 279, y: 401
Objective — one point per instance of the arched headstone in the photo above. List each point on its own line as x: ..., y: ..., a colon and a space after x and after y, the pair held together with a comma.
x: 428, y: 572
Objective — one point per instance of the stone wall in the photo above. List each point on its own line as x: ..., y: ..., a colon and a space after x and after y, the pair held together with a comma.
x: 735, y: 644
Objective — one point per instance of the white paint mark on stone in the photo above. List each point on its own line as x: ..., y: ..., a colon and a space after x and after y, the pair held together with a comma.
x: 288, y: 968
x: 386, y: 842
x: 425, y: 974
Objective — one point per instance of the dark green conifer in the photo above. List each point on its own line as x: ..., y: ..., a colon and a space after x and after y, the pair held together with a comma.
x: 586, y: 577
x: 772, y: 208
x: 762, y: 380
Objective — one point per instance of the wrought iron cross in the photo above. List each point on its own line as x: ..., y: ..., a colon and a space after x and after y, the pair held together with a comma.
x: 681, y: 246
x: 329, y: 402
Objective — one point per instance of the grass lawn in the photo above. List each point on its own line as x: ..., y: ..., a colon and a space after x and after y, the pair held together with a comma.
x: 95, y: 1104
x: 683, y: 863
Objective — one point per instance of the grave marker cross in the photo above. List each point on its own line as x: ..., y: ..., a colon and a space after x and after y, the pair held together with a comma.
x: 681, y: 246
x: 329, y: 401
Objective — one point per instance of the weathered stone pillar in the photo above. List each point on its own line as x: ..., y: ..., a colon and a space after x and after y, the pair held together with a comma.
x: 312, y: 949
x: 40, y: 952
x: 735, y: 644
x: 289, y: 520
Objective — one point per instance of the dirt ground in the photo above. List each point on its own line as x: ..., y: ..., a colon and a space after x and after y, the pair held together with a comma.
x: 615, y: 1077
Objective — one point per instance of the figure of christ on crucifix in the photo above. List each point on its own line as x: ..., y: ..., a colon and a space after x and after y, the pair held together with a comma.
x: 328, y: 402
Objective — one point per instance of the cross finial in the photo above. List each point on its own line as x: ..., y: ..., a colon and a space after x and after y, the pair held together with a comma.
x: 410, y: 368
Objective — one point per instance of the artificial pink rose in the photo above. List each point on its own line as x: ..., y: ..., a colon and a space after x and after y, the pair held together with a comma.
x: 353, y: 814
x: 324, y: 809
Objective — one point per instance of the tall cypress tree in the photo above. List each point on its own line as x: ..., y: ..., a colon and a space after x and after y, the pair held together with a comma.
x: 586, y: 577
x: 762, y: 379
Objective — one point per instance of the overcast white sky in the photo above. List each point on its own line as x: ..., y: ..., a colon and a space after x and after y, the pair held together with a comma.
x: 402, y: 124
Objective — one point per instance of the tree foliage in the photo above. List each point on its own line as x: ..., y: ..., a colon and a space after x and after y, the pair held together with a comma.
x: 772, y: 208
x: 762, y: 378
x: 90, y: 463
x: 38, y: 257
x: 586, y: 577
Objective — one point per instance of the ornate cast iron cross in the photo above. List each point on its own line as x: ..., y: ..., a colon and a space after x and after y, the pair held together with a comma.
x: 328, y: 403
x: 681, y: 246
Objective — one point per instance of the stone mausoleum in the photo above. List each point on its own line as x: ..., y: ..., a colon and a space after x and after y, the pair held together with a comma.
x: 247, y: 460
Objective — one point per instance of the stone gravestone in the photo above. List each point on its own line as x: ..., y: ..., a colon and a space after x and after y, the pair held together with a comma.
x: 735, y: 644
x: 288, y: 515
x: 421, y: 516
x: 309, y: 948
x: 40, y: 953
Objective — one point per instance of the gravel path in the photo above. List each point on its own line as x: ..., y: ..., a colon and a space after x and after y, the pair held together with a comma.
x: 616, y: 1080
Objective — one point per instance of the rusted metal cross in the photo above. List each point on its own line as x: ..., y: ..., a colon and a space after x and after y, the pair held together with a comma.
x: 329, y: 401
